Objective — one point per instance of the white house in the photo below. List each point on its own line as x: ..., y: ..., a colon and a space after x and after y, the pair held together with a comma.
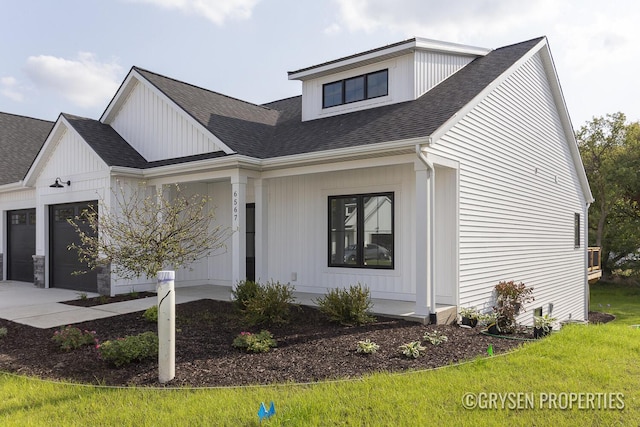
x: 428, y: 171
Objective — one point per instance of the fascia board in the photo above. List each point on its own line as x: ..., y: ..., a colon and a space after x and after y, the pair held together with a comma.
x: 565, y: 119
x: 58, y: 130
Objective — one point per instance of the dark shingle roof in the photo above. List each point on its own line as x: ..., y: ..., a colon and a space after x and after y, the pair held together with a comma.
x: 106, y: 142
x: 276, y: 129
x: 115, y: 151
x: 405, y: 120
x: 20, y: 140
x: 266, y: 131
x: 239, y: 124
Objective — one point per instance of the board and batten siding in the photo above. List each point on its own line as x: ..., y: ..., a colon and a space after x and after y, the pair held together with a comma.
x: 157, y: 129
x: 431, y: 68
x: 298, y: 230
x: 518, y: 193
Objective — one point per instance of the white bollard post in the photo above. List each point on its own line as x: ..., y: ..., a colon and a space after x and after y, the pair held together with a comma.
x: 166, y: 326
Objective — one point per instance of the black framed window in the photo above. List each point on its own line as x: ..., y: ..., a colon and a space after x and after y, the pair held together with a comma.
x: 361, y: 230
x: 576, y: 230
x: 354, y: 89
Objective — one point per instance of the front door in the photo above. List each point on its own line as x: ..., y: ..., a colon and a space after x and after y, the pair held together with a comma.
x: 251, y: 241
x: 21, y: 244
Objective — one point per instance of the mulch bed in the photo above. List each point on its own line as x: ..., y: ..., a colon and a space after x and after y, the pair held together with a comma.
x: 309, y: 349
x: 95, y: 301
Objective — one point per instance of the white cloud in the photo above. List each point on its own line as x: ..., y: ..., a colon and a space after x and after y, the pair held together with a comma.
x: 217, y: 11
x: 9, y: 87
x: 459, y: 21
x: 84, y: 81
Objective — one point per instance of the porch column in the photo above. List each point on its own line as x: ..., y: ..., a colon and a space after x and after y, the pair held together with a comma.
x: 239, y: 228
x: 422, y: 256
x: 262, y: 209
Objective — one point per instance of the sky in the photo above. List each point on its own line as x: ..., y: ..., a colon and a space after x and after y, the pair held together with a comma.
x: 72, y: 55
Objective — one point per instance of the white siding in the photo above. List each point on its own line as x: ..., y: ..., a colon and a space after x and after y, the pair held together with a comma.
x: 518, y: 195
x: 157, y: 130
x: 431, y: 68
x: 298, y: 221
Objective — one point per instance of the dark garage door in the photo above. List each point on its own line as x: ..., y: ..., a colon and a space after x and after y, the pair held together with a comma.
x: 21, y: 244
x: 64, y: 262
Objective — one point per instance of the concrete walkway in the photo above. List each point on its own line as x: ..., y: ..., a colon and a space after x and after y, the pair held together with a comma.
x: 22, y: 302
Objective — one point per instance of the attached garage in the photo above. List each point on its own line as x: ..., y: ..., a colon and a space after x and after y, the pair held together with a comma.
x: 21, y: 244
x: 62, y: 261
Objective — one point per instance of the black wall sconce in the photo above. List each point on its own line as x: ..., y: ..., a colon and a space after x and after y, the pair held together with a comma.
x: 58, y: 183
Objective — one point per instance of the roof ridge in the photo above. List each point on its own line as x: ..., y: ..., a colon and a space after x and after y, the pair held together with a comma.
x: 199, y: 87
x: 522, y: 42
x: 26, y: 117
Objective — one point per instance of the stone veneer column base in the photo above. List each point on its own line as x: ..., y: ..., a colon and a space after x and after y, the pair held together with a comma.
x: 38, y: 271
x: 104, y: 279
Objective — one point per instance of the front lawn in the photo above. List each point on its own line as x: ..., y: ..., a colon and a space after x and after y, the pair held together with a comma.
x: 597, y: 359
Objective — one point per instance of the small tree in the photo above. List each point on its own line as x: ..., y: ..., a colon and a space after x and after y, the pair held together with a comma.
x: 145, y: 232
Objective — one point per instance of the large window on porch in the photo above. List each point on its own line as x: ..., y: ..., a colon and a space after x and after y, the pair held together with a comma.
x: 361, y: 231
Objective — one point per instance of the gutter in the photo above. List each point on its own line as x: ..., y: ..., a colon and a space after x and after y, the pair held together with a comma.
x: 431, y: 283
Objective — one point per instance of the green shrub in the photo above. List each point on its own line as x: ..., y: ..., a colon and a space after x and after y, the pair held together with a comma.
x: 129, y: 349
x: 255, y: 343
x: 245, y: 291
x: 270, y: 305
x: 413, y: 349
x: 347, y: 306
x: 3, y: 332
x: 151, y: 314
x: 69, y: 338
x: 435, y: 337
x: 367, y: 347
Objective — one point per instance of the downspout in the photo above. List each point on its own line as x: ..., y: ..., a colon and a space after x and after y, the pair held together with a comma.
x: 430, y: 229
x: 586, y: 264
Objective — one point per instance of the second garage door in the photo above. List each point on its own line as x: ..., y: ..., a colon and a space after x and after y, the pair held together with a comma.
x: 64, y: 262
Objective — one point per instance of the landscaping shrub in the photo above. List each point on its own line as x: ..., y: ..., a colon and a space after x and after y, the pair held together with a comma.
x: 255, y: 343
x: 413, y: 349
x: 435, y: 337
x: 69, y: 338
x: 510, y: 299
x: 270, y: 305
x: 151, y: 314
x: 3, y: 332
x: 129, y: 349
x: 367, y: 347
x: 347, y: 306
x: 245, y: 291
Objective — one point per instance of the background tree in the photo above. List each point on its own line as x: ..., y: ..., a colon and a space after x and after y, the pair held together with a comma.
x: 610, y: 150
x: 144, y: 231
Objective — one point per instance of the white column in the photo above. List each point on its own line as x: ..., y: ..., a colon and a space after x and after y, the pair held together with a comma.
x: 239, y: 228
x: 421, y: 243
x: 262, y: 209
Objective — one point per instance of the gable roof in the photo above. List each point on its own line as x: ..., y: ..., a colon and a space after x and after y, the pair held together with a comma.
x: 20, y: 140
x: 239, y: 124
x: 276, y: 129
x: 115, y: 151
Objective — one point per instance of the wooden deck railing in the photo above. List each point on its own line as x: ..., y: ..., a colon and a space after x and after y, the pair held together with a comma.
x: 594, y: 266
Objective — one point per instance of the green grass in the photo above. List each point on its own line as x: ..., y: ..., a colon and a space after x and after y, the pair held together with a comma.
x: 621, y: 300
x: 579, y: 359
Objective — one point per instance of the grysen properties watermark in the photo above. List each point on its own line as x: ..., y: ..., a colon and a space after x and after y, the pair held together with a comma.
x: 528, y: 400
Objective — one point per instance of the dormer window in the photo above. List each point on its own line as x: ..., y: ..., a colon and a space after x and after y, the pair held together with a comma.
x: 353, y: 89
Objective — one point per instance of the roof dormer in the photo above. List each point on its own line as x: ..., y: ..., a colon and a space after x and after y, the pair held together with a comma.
x: 391, y: 74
